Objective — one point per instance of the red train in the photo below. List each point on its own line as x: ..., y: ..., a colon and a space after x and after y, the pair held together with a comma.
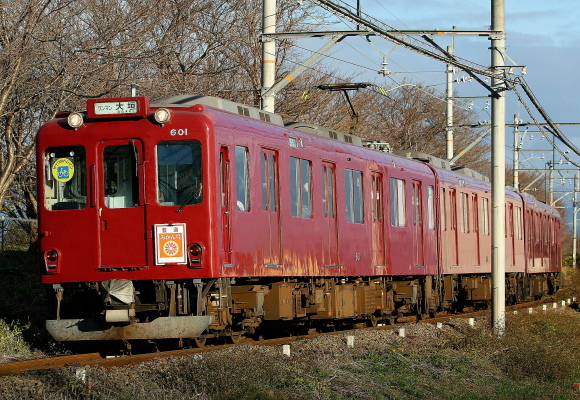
x: 192, y: 217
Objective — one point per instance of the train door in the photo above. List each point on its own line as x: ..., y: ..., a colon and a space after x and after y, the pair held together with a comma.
x: 330, y: 243
x: 418, y: 224
x: 476, y: 230
x: 121, y: 204
x: 378, y: 226
x: 454, y: 242
x: 512, y: 237
x: 270, y: 205
x: 225, y: 206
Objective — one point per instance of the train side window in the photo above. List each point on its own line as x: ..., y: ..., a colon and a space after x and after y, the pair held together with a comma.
x: 300, y: 187
x: 353, y: 192
x: 179, y: 172
x: 242, y: 179
x: 65, y: 182
x: 269, y: 182
x: 430, y: 207
x: 398, y: 215
x: 484, y: 216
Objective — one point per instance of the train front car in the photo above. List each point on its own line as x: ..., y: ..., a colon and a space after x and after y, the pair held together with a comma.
x: 124, y: 220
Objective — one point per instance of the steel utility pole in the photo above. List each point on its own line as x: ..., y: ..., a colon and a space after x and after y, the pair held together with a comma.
x: 268, y: 54
x: 449, y: 109
x: 498, y: 168
x: 575, y: 220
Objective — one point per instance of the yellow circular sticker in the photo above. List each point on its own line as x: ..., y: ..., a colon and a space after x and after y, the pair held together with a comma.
x: 63, y: 170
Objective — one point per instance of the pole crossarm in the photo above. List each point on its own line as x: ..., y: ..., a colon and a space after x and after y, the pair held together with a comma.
x: 387, y: 34
x: 470, y: 146
x: 299, y: 35
x: 535, y: 180
x: 451, y: 57
x: 305, y: 65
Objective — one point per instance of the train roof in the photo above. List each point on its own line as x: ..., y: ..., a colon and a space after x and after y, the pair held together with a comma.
x: 188, y: 100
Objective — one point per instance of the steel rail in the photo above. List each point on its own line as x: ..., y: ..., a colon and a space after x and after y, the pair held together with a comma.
x: 95, y: 359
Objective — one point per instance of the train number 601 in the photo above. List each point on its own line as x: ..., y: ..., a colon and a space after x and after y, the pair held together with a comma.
x: 178, y: 132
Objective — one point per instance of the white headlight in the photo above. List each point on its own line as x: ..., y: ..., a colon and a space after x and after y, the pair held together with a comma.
x: 162, y: 116
x: 75, y: 120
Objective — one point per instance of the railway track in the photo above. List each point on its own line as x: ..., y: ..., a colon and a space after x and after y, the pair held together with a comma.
x: 95, y: 359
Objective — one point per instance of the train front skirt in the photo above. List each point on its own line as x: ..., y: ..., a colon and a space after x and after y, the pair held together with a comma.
x: 160, y: 328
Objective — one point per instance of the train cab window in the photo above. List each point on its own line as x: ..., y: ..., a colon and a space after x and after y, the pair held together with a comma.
x: 120, y: 176
x: 179, y: 172
x: 354, y: 200
x: 65, y: 185
x: 300, y: 187
x: 242, y: 179
x: 431, y: 207
x: 398, y: 215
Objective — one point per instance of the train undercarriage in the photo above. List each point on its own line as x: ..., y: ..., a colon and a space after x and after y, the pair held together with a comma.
x: 194, y: 311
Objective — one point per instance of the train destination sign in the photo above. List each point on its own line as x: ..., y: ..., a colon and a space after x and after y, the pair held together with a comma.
x: 119, y: 107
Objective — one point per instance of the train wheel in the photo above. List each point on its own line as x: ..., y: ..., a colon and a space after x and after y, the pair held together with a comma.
x: 234, y: 338
x: 198, y: 342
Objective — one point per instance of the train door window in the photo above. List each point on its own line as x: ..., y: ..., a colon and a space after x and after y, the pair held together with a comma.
x: 328, y: 191
x: 300, y: 187
x: 453, y: 209
x: 269, y: 181
x: 242, y: 179
x: 65, y: 186
x: 430, y: 207
x: 120, y: 176
x: 474, y: 208
x: 518, y: 223
x: 464, y: 212
x: 443, y: 209
x: 484, y: 216
x: 376, y: 197
x: 398, y: 215
x: 353, y: 193
x: 179, y: 172
x: 417, y: 217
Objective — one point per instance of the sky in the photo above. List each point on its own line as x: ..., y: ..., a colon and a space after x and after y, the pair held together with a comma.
x: 542, y: 35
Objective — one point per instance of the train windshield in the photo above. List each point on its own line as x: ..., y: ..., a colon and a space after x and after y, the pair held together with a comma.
x: 65, y: 186
x: 179, y: 173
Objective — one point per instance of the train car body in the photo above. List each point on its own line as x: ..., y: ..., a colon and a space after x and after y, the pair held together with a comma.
x: 194, y: 217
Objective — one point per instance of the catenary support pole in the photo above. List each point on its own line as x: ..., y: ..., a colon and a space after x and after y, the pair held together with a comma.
x: 516, y: 153
x: 449, y: 109
x: 268, y: 54
x: 498, y: 169
x: 575, y: 220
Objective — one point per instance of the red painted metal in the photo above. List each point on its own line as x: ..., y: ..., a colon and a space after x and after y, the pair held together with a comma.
x: 97, y: 242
